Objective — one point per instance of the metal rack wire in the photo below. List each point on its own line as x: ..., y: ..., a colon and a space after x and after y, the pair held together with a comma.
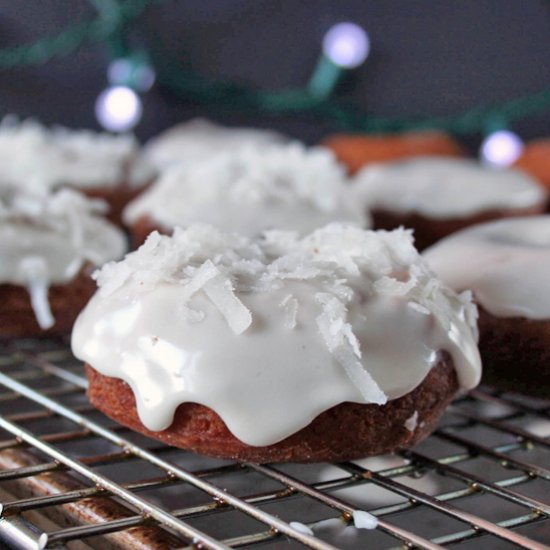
x: 71, y: 478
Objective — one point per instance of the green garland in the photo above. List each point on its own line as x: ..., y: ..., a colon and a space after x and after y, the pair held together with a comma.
x: 349, y: 117
x: 114, y: 18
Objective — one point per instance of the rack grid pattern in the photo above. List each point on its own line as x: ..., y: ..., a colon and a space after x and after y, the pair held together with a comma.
x: 71, y: 478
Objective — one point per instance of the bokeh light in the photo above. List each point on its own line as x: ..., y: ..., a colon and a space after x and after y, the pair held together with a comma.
x: 118, y: 109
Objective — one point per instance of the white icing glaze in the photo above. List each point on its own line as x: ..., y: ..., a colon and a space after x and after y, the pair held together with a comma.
x: 199, y: 139
x: 38, y: 159
x: 505, y: 263
x: 442, y: 188
x: 368, y: 320
x: 47, y: 240
x: 251, y: 190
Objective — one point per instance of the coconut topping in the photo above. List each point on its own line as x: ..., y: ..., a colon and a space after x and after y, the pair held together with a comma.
x: 198, y: 139
x: 441, y: 188
x: 328, y: 315
x: 412, y: 422
x: 251, y: 190
x: 506, y: 264
x: 39, y: 159
x: 45, y: 240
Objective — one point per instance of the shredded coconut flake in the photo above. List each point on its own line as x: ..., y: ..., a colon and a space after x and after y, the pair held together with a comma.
x: 220, y: 291
x: 290, y: 307
x: 412, y: 422
x: 342, y: 343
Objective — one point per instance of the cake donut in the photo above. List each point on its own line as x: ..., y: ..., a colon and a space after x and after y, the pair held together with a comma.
x: 264, y: 349
x: 48, y: 248
x: 199, y: 138
x: 359, y: 150
x: 506, y: 265
x: 436, y: 197
x: 247, y: 191
x: 535, y: 160
x: 40, y: 159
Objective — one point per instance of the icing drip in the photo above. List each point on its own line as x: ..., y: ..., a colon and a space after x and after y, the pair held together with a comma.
x: 442, y: 188
x: 200, y: 138
x: 35, y: 271
x: 37, y: 159
x: 289, y: 316
x: 251, y: 190
x: 45, y: 240
x: 364, y: 520
x: 301, y: 528
x: 506, y: 264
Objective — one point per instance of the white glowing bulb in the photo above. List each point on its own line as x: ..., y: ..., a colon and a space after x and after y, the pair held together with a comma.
x: 118, y: 108
x: 501, y: 148
x: 346, y: 45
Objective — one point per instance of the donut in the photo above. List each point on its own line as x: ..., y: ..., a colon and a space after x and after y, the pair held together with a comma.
x: 436, y: 197
x: 535, y: 160
x: 199, y: 138
x: 48, y: 248
x: 506, y: 265
x: 262, y: 349
x: 247, y: 191
x: 39, y: 159
x: 359, y: 150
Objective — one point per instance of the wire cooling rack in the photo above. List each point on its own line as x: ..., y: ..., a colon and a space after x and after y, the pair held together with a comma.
x: 71, y: 478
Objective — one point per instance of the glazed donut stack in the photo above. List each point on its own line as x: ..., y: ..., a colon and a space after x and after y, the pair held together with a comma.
x: 261, y: 313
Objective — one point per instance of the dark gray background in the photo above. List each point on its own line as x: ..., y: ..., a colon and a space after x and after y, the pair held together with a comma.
x: 428, y: 57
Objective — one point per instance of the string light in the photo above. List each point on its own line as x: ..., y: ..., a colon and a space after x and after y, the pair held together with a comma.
x: 501, y: 148
x: 345, y: 47
x: 134, y: 72
x: 118, y: 109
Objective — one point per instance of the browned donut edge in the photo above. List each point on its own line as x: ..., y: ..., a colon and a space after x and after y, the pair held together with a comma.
x: 428, y: 231
x: 117, y: 197
x: 515, y: 352
x: 17, y: 318
x: 535, y: 160
x: 344, y: 432
x: 358, y: 150
x: 141, y: 229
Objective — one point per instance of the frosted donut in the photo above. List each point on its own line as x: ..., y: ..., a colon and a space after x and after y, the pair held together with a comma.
x: 38, y: 159
x: 436, y: 197
x: 48, y: 248
x: 506, y: 265
x: 261, y: 349
x: 248, y: 191
x: 359, y: 150
x: 199, y: 138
